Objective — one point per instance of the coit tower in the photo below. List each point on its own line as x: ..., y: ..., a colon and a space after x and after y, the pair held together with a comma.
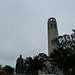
x: 52, y: 33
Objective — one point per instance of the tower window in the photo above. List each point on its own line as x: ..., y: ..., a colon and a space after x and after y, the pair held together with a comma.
x: 53, y: 19
x: 55, y: 26
x: 50, y: 19
x: 48, y: 27
x: 51, y: 26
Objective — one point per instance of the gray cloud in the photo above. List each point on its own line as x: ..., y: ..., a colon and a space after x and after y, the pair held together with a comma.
x: 23, y: 26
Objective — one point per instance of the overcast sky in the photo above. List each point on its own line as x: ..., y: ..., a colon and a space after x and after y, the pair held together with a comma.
x: 23, y: 26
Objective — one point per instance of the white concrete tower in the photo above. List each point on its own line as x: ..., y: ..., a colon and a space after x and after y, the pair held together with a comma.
x: 52, y: 33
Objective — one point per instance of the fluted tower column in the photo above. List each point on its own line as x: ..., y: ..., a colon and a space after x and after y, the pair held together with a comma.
x: 52, y: 33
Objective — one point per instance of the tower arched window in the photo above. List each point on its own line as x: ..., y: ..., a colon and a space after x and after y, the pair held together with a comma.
x: 51, y: 19
x: 51, y: 25
x: 55, y: 26
x: 48, y: 27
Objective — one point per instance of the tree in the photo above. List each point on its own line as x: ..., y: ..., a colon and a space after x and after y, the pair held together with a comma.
x: 32, y: 65
x: 63, y: 56
x: 28, y: 64
x: 0, y: 67
x: 8, y: 69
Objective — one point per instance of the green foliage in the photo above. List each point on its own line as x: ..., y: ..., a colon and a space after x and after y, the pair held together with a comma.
x: 7, y: 70
x: 63, y: 56
x: 32, y: 65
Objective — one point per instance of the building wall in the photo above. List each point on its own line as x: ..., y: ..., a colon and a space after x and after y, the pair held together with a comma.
x: 43, y: 73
